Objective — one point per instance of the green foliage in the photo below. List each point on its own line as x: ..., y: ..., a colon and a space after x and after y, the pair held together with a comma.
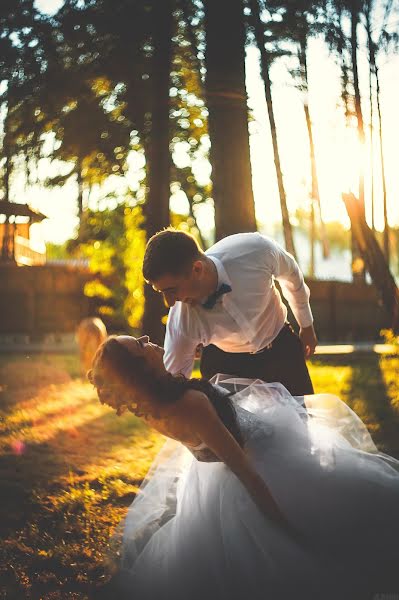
x: 90, y: 133
x: 114, y: 242
x: 338, y: 236
x: 390, y: 338
x: 83, y: 93
x: 57, y: 251
x: 189, y: 114
x: 20, y: 62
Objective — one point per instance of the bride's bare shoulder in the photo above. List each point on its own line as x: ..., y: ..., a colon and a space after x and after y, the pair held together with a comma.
x: 193, y: 396
x: 194, y: 401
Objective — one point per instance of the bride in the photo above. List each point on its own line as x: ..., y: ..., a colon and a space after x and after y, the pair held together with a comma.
x: 253, y: 496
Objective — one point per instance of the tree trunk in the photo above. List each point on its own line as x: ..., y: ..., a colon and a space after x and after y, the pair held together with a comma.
x: 192, y: 215
x: 186, y: 8
x: 312, y: 263
x: 358, y: 269
x: 341, y: 45
x: 374, y: 259
x: 79, y: 179
x: 265, y: 66
x: 384, y: 184
x: 315, y: 197
x: 370, y: 44
x: 158, y: 156
x: 374, y: 69
x: 8, y: 249
x: 194, y: 218
x: 228, y: 117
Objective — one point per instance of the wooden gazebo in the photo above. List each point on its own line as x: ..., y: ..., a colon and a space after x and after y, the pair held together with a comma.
x: 15, y: 241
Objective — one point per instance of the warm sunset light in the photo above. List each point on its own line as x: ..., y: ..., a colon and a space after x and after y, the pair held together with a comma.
x: 199, y: 299
x: 338, y: 154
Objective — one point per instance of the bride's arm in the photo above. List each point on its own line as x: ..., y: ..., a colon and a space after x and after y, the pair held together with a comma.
x: 197, y: 409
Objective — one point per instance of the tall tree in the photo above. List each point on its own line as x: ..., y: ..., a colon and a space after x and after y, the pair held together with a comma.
x: 265, y: 62
x: 7, y: 249
x: 188, y: 124
x: 228, y: 117
x: 315, y: 193
x: 107, y: 84
x: 85, y: 114
x: 354, y: 9
x: 157, y: 204
x: 347, y: 50
x: 370, y: 46
x: 374, y: 259
x: 18, y: 62
x: 382, y: 159
x: 385, y: 40
x: 91, y: 140
x: 290, y: 27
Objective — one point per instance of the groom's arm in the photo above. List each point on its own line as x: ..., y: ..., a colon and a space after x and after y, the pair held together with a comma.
x: 285, y: 269
x: 181, y: 340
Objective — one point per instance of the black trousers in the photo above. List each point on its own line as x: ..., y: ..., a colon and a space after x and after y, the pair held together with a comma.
x: 283, y: 362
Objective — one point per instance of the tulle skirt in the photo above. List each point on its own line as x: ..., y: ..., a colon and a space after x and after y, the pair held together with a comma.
x: 194, y: 532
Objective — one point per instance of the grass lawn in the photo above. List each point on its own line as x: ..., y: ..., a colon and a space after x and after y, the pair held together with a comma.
x: 369, y: 384
x: 69, y: 467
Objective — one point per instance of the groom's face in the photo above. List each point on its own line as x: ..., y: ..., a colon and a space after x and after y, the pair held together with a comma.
x: 187, y: 287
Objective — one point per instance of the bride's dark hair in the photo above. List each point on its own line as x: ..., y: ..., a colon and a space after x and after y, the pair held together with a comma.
x: 117, y: 374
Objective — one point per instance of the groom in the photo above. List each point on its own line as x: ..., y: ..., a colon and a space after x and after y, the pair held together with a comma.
x: 226, y: 300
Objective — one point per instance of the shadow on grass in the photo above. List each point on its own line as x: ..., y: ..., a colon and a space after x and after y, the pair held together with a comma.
x: 49, y: 465
x: 366, y: 392
x: 68, y: 362
x: 62, y: 496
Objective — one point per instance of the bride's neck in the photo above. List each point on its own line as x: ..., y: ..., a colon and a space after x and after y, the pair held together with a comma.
x: 159, y: 402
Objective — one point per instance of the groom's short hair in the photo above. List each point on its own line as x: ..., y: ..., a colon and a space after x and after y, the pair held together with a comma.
x: 169, y: 252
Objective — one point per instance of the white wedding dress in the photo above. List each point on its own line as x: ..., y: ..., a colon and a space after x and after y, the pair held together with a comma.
x: 193, y: 532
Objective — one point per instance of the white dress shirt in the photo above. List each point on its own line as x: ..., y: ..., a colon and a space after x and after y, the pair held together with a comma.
x: 250, y: 316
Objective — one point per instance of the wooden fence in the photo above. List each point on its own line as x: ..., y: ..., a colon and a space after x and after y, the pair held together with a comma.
x: 40, y: 300
x: 346, y: 312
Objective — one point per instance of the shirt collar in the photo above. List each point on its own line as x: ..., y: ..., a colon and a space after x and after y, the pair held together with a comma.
x: 221, y: 272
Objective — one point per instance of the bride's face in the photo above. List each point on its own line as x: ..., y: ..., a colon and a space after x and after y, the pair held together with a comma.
x: 142, y: 346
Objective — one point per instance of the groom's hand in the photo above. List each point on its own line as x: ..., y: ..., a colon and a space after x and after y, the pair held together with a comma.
x: 309, y: 340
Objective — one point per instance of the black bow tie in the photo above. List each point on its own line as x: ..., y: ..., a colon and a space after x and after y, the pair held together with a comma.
x: 211, y: 301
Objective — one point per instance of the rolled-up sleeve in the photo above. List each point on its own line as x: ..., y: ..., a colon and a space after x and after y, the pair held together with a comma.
x: 294, y: 289
x: 181, y: 340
